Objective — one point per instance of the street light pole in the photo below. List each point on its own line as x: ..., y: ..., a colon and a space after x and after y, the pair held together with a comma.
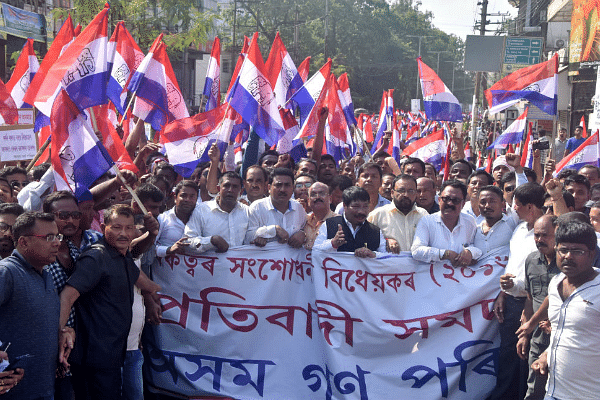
x: 420, y: 38
x: 437, y: 71
x: 453, y: 69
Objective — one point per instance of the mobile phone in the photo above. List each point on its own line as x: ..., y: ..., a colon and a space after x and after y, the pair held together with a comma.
x: 18, y: 362
x: 4, y: 346
x: 545, y: 145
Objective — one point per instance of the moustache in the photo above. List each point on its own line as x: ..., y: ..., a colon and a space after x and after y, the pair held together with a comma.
x: 318, y: 201
x: 361, y: 216
x: 448, y: 207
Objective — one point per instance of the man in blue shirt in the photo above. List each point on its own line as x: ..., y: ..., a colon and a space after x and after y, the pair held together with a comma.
x: 574, y: 142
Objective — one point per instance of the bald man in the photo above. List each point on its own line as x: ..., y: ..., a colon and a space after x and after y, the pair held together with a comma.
x: 319, y: 199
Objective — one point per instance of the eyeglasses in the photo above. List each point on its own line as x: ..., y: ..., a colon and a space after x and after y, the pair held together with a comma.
x: 65, y: 215
x: 5, y: 227
x: 509, y: 188
x: 318, y: 194
x: 575, y: 252
x: 405, y: 191
x: 49, y: 237
x: 303, y: 185
x: 356, y: 207
x: 453, y: 200
x: 17, y: 184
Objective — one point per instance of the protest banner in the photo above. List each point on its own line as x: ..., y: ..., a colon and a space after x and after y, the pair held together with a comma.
x: 280, y: 323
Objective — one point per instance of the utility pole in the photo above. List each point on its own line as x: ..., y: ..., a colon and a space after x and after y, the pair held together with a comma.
x: 437, y: 70
x: 453, y: 69
x: 484, y: 4
x: 326, y: 27
x: 296, y: 34
x: 418, y: 80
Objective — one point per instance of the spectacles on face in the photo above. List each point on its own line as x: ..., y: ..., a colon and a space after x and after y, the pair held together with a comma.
x: 509, y: 188
x: 301, y: 185
x: 49, y: 237
x: 65, y: 215
x: 405, y: 191
x: 17, y: 184
x: 575, y: 252
x: 361, y: 207
x: 5, y: 227
x: 453, y: 200
x: 318, y: 194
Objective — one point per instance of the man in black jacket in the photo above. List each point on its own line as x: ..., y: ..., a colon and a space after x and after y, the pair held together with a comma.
x: 351, y: 231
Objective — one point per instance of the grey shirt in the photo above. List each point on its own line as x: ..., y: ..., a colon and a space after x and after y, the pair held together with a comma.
x: 29, y: 320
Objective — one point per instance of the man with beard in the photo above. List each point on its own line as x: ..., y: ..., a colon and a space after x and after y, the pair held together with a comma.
x: 170, y: 238
x: 476, y: 181
x: 319, y: 199
x: 352, y: 232
x: 220, y: 223
x: 540, y: 268
x: 494, y: 232
x: 572, y: 359
x: 277, y: 217
x: 8, y: 215
x: 399, y: 220
x: 327, y: 169
x: 449, y: 233
x: 301, y: 185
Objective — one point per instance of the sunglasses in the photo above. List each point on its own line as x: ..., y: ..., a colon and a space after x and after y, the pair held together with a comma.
x: 65, y: 215
x: 453, y: 200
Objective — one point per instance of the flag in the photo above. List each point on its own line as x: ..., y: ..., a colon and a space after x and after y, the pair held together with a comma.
x: 187, y: 140
x: 386, y: 110
x: 158, y: 97
x: 430, y: 149
x: 537, y: 84
x: 468, y: 151
x: 124, y: 57
x: 527, y: 155
x: 586, y: 154
x: 489, y: 163
x: 338, y: 139
x: 61, y: 42
x: 82, y: 70
x: 303, y: 69
x: 368, y: 131
x: 25, y: 69
x: 440, y: 104
x: 513, y: 134
x: 212, y: 83
x: 284, y: 76
x: 77, y: 157
x: 238, y: 65
x: 252, y: 97
x: 346, y: 98
x: 581, y: 123
x: 447, y: 165
x: 77, y: 30
x: 8, y: 109
x: 307, y: 95
x: 286, y: 143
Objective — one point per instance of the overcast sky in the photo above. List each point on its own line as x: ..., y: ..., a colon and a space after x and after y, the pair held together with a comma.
x: 458, y: 16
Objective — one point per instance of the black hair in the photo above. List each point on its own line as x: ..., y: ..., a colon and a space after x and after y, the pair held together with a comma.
x: 279, y: 171
x: 116, y: 210
x: 4, y: 172
x: 404, y: 177
x: 156, y: 180
x: 530, y: 193
x: 166, y: 166
x: 530, y: 174
x: 414, y: 160
x: 494, y: 189
x: 152, y: 156
x: 304, y: 159
x: 455, y: 183
x: 370, y: 165
x: 507, y: 177
x: 465, y: 162
x: 590, y: 166
x: 595, y: 205
x: 231, y: 175
x: 39, y: 170
x: 355, y: 193
x: 267, y: 153
x: 330, y: 158
x: 483, y: 172
x: 580, y: 179
x: 57, y: 196
x: 256, y: 166
x: 574, y: 216
x: 565, y: 173
x: 11, y: 208
x: 186, y: 183
x: 435, y: 171
x: 148, y: 191
x: 25, y: 223
x: 314, y: 179
x: 567, y: 197
x: 340, y: 181
x: 576, y: 232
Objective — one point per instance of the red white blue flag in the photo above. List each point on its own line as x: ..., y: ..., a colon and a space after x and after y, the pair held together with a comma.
x: 440, y: 104
x: 513, y: 134
x: 537, y: 84
x: 8, y: 109
x: 158, y: 97
x: 386, y: 111
x: 212, y: 83
x: 308, y: 94
x: 124, y: 57
x: 346, y: 98
x: 25, y: 69
x: 430, y: 149
x: 284, y: 76
x: 588, y: 153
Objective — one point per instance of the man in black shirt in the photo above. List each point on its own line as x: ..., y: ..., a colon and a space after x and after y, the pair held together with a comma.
x: 103, y: 285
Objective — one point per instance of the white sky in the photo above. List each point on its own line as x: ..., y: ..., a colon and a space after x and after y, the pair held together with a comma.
x: 458, y: 16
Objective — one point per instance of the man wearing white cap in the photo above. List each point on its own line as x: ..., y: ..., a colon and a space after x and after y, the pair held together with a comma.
x: 500, y: 167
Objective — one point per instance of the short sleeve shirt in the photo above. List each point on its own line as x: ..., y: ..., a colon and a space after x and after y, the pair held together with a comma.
x: 105, y: 279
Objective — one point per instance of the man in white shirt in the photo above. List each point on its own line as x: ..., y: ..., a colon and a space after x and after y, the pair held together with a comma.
x: 170, y: 238
x: 574, y: 311
x: 369, y: 178
x: 398, y: 220
x: 494, y: 232
x: 449, y: 233
x: 476, y: 181
x: 277, y: 217
x: 222, y: 222
x: 528, y: 203
x: 255, y: 182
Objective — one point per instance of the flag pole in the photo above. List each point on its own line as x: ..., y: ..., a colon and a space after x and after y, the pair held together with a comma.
x: 39, y: 153
x: 202, y: 101
x: 93, y: 118
x: 553, y: 139
x: 129, y: 189
x: 128, y: 107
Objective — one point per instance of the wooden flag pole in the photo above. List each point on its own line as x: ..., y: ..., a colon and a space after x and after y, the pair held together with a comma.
x: 127, y: 109
x: 129, y: 189
x: 39, y: 153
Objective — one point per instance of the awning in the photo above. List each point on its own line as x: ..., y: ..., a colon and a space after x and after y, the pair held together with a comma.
x: 21, y: 23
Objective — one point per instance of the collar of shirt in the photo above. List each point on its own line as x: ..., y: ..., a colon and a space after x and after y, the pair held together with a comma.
x: 270, y: 205
x: 214, y: 206
x: 395, y: 209
x: 350, y: 226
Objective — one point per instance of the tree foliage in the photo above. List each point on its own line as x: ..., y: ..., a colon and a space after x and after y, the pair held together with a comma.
x: 369, y: 39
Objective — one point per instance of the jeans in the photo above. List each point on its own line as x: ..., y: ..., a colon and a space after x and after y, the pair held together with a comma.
x: 133, y: 383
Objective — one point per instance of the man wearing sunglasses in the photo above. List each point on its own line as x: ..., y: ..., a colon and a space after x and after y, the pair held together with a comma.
x: 16, y: 177
x: 449, y: 233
